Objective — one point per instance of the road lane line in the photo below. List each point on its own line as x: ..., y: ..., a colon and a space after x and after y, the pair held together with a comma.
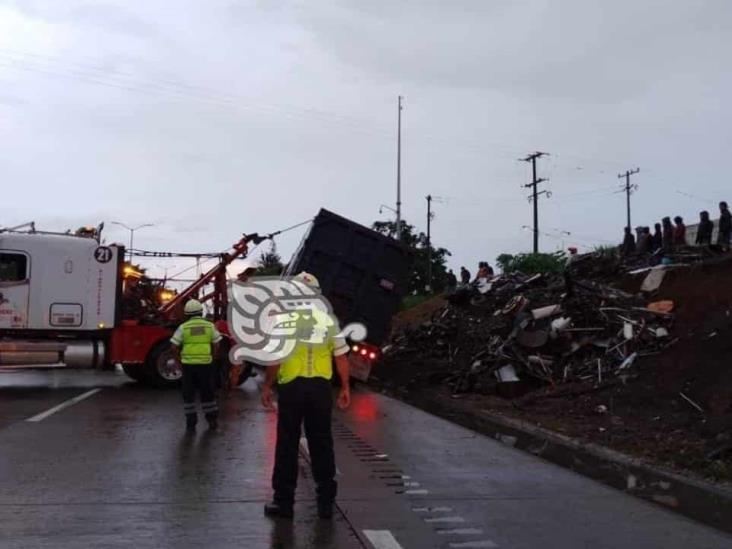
x: 459, y: 531
x: 382, y: 539
x: 444, y: 519
x: 484, y: 544
x: 62, y: 406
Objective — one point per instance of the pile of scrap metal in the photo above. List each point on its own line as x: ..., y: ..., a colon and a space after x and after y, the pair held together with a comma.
x: 517, y: 331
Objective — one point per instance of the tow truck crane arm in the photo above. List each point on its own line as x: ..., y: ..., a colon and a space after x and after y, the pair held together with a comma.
x: 173, y: 309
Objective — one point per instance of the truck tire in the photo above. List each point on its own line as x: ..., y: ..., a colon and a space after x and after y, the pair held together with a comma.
x: 158, y: 370
x: 136, y: 372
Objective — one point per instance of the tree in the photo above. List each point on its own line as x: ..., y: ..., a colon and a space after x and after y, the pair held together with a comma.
x: 532, y: 263
x: 417, y: 243
x: 270, y: 264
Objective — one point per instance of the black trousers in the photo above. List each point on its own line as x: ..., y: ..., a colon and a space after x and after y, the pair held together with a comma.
x: 201, y: 379
x: 307, y: 401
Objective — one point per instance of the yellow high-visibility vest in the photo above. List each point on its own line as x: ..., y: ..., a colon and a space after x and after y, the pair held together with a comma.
x: 196, y: 338
x: 312, y: 359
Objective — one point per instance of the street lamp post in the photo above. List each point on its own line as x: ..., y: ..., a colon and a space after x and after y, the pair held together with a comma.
x: 132, y: 232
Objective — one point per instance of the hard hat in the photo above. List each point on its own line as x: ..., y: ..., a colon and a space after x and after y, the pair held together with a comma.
x: 193, y: 307
x: 307, y: 278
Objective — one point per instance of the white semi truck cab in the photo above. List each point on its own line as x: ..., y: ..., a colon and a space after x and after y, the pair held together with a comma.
x: 59, y: 298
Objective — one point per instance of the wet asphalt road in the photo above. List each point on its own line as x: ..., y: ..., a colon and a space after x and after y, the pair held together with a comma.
x: 117, y: 470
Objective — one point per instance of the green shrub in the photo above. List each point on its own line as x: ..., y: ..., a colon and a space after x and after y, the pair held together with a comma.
x: 532, y: 263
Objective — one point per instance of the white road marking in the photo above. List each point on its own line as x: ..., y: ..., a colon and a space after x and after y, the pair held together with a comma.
x: 432, y: 509
x: 483, y: 544
x: 459, y: 531
x: 444, y: 519
x: 62, y: 406
x: 418, y: 492
x: 382, y: 539
x: 409, y: 484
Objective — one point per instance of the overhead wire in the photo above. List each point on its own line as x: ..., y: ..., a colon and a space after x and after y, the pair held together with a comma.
x: 99, y: 74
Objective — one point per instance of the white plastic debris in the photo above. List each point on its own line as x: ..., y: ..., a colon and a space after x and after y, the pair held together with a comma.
x: 628, y: 362
x: 544, y: 312
x: 628, y: 330
x: 484, y: 286
x: 506, y: 373
x: 653, y: 279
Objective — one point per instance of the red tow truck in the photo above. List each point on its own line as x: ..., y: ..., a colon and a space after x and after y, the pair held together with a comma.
x: 62, y: 305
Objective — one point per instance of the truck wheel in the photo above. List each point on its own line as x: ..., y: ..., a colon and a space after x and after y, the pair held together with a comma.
x: 135, y: 371
x: 161, y: 370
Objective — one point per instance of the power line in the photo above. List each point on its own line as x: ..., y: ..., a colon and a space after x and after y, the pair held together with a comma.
x: 95, y: 73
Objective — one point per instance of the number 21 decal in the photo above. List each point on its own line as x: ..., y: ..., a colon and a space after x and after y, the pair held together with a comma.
x: 103, y: 254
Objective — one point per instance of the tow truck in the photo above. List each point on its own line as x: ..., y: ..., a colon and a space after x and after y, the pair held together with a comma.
x: 63, y: 304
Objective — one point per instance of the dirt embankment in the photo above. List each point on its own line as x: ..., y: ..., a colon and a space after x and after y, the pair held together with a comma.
x: 649, y: 415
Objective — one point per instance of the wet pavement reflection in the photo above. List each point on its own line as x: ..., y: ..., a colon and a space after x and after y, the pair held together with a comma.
x: 118, y: 469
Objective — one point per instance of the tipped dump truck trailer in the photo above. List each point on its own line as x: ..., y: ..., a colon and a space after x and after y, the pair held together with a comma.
x: 62, y: 305
x: 364, y: 275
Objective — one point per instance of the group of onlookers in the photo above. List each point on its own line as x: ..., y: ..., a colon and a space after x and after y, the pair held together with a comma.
x: 484, y: 271
x: 667, y: 236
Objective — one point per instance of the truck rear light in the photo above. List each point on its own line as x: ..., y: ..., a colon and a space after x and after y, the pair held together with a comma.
x: 355, y: 348
x: 364, y: 352
x: 372, y: 355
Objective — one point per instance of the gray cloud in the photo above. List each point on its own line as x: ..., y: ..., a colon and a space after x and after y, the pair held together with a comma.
x: 590, y: 51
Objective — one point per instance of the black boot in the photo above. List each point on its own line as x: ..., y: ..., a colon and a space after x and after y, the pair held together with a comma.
x: 325, y: 510
x: 278, y: 509
x: 191, y: 420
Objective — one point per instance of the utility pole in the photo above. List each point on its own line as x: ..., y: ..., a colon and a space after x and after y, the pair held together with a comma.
x: 429, y: 243
x: 535, y: 194
x: 399, y: 173
x: 628, y: 188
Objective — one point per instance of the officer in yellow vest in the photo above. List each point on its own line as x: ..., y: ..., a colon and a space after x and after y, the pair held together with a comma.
x: 195, y: 344
x: 305, y: 395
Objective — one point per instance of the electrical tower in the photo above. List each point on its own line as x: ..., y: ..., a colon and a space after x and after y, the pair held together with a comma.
x: 535, y: 193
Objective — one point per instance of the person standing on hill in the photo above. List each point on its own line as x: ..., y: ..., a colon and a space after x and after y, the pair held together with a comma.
x: 628, y: 247
x: 643, y: 245
x: 704, y: 231
x: 464, y: 276
x: 668, y: 234
x: 657, y: 238
x: 679, y: 231
x: 725, y: 226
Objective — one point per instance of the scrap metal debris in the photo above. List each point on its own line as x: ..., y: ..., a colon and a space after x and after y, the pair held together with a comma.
x: 528, y: 330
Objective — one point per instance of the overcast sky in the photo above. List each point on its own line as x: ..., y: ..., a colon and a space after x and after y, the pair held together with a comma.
x: 215, y: 118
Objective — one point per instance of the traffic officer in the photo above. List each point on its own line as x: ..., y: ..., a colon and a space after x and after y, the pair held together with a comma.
x: 195, y: 344
x: 305, y: 395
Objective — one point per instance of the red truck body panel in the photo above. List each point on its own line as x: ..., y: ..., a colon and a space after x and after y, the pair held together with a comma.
x: 131, y: 343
